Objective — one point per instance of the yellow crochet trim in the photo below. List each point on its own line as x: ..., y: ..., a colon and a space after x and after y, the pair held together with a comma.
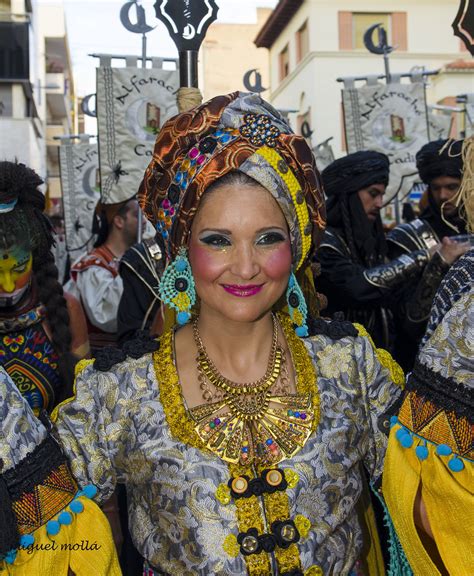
x: 314, y: 571
x: 249, y: 516
x: 79, y: 368
x: 231, y: 546
x: 277, y: 507
x: 303, y: 524
x: 292, y: 477
x: 274, y: 159
x: 182, y: 301
x: 82, y: 365
x: 223, y: 494
x: 180, y: 423
x: 385, y: 358
x: 306, y: 381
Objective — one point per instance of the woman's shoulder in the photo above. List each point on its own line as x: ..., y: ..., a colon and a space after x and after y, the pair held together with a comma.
x: 339, y: 347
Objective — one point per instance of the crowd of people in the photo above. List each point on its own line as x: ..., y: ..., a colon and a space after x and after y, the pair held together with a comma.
x: 238, y: 405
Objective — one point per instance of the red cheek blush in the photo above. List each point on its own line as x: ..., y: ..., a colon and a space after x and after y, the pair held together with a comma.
x: 278, y: 262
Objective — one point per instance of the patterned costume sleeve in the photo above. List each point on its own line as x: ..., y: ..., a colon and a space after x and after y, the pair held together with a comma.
x: 20, y: 431
x: 45, y: 517
x: 85, y: 426
x: 380, y: 378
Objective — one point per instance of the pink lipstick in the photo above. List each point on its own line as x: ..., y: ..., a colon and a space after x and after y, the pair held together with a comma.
x: 242, y: 291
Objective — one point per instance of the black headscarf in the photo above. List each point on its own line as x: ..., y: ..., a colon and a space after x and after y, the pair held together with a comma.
x: 342, y: 179
x: 435, y: 159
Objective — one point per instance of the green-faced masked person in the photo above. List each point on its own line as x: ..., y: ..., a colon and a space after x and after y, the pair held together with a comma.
x: 243, y: 432
x: 42, y: 330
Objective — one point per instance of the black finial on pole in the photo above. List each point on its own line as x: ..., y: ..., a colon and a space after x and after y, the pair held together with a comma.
x: 187, y: 22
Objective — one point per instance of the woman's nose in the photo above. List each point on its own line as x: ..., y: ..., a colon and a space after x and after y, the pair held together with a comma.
x: 245, y: 263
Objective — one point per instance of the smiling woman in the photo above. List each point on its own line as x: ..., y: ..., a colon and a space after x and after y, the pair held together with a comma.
x: 242, y: 432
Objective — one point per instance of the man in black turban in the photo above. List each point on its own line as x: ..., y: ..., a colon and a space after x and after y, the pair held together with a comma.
x: 440, y: 166
x: 356, y: 275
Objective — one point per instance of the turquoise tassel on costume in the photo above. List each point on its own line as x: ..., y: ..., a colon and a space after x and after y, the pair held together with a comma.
x: 177, y: 287
x: 297, y: 306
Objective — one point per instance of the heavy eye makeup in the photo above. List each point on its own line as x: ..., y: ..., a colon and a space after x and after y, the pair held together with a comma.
x: 266, y: 238
x: 215, y: 240
x: 271, y: 237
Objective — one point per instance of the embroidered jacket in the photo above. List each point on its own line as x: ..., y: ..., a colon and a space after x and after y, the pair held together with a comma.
x: 130, y: 425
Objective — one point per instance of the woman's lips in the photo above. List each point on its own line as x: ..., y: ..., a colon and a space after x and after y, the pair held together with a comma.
x: 241, y: 290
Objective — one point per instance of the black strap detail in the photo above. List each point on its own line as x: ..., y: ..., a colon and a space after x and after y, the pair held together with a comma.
x: 135, y: 348
x: 335, y: 329
x: 446, y: 393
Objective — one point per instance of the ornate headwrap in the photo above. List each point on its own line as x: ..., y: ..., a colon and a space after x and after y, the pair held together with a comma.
x: 235, y: 132
x: 354, y: 172
x: 440, y: 158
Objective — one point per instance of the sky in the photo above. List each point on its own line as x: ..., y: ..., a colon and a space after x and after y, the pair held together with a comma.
x: 94, y: 26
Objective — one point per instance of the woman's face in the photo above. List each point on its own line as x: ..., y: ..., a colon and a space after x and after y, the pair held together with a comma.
x: 15, y: 273
x: 240, y: 252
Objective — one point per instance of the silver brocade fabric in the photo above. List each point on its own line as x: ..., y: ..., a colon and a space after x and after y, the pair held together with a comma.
x: 116, y: 430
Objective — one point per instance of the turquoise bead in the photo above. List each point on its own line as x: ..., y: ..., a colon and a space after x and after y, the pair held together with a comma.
x: 183, y: 318
x: 180, y: 264
x: 65, y: 518
x: 456, y: 464
x: 90, y: 491
x: 53, y: 527
x: 443, y: 450
x: 302, y: 331
x: 27, y: 540
x: 400, y: 434
x: 422, y: 452
x: 76, y: 506
x: 406, y: 441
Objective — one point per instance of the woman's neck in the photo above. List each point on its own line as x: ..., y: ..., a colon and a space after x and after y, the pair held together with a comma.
x: 237, y: 347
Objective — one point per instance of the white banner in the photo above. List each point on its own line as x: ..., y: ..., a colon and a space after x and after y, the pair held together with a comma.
x: 324, y: 155
x: 132, y: 106
x: 440, y: 125
x: 390, y: 119
x: 79, y: 165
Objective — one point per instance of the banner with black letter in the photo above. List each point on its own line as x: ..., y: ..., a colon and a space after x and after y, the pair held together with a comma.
x: 132, y: 106
x: 391, y: 119
x: 79, y: 165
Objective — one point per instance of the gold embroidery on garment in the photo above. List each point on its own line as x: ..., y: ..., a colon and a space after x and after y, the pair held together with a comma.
x: 231, y: 546
x: 291, y: 477
x: 223, y: 494
x: 78, y: 369
x: 277, y: 507
x: 181, y: 426
x: 385, y: 358
x: 303, y: 525
x: 249, y: 510
x: 249, y: 515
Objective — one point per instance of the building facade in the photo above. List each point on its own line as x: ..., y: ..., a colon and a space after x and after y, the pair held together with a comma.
x: 312, y: 43
x: 228, y: 52
x: 36, y: 87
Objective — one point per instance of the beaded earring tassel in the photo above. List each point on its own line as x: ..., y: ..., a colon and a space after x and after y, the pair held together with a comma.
x: 177, y: 287
x: 297, y: 306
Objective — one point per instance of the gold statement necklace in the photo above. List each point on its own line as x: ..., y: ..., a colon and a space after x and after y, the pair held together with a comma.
x: 246, y: 424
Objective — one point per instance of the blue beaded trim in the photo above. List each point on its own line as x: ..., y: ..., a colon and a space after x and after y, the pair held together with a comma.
x: 405, y: 438
x: 64, y: 518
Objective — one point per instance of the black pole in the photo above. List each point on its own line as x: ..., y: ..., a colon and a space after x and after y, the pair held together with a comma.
x: 188, y: 69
